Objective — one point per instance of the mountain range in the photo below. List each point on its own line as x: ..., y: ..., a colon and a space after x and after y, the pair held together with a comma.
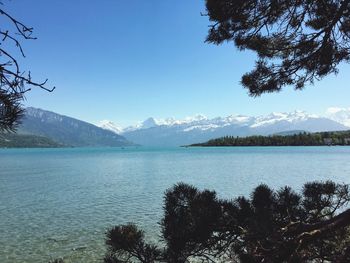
x: 341, y: 115
x: 172, y: 132
x: 67, y: 131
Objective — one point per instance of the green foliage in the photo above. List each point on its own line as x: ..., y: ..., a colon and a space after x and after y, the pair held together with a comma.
x: 14, y: 82
x: 10, y: 110
x: 301, y: 139
x: 190, y: 217
x: 269, y: 226
x: 11, y: 140
x: 297, y: 42
x: 126, y: 244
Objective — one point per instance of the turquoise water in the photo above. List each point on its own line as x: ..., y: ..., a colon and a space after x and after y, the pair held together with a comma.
x: 59, y: 202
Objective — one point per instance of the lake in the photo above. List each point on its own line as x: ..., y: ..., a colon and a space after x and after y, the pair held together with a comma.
x: 60, y: 202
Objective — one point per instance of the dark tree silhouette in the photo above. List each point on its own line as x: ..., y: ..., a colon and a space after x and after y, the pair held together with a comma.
x: 297, y: 42
x: 190, y: 218
x: 14, y: 82
x: 299, y: 139
x: 127, y: 244
x: 270, y: 226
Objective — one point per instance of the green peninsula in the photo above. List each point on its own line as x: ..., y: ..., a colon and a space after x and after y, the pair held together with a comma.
x: 300, y: 139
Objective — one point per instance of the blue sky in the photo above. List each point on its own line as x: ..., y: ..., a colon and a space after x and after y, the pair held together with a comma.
x: 129, y: 60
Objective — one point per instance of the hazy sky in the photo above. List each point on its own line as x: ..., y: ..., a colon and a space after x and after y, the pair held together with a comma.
x: 129, y: 60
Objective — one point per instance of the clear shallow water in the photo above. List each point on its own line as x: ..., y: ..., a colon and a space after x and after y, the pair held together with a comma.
x: 59, y: 202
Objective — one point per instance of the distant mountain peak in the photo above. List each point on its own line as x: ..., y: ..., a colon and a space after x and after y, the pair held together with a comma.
x: 111, y: 126
x: 289, y: 117
x: 197, y: 117
x: 149, y: 123
x: 68, y: 131
x: 167, y: 132
x: 341, y: 115
x: 174, y: 132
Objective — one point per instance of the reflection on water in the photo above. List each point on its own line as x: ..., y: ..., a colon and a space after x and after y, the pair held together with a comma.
x: 59, y: 202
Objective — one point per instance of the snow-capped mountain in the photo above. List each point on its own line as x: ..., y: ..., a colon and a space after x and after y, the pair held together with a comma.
x: 67, y: 131
x: 275, y: 117
x: 341, y: 115
x: 149, y: 123
x: 146, y: 124
x: 172, y: 132
x: 110, y: 126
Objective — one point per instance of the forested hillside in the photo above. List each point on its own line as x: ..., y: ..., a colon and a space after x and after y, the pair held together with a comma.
x: 68, y: 131
x: 12, y: 140
x: 301, y: 139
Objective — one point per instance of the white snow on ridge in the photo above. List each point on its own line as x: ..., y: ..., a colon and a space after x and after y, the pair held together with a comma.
x: 109, y: 125
x: 275, y: 117
x: 187, y: 120
x: 201, y: 127
x: 341, y: 115
x: 202, y: 123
